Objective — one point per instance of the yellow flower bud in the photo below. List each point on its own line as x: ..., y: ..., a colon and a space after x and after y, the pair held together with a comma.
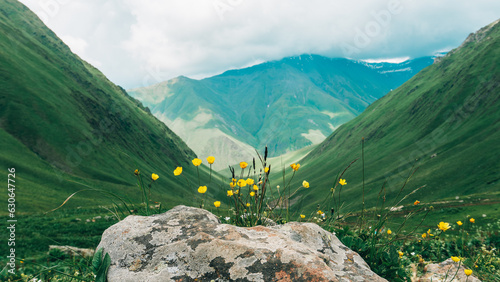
x: 202, y: 189
x: 242, y: 183
x: 210, y: 160
x: 444, y: 226
x: 196, y: 162
x: 178, y: 171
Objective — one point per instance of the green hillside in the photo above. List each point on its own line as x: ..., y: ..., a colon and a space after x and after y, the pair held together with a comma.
x: 445, y: 121
x: 63, y: 122
x: 287, y: 104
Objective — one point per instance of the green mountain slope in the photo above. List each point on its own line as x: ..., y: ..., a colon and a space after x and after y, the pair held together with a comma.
x: 445, y: 120
x: 287, y: 104
x: 62, y: 121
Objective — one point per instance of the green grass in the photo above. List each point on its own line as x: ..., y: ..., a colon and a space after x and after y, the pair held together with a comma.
x: 35, y: 232
x: 66, y: 227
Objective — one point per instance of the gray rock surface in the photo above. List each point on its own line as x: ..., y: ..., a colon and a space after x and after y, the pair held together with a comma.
x: 190, y: 244
x: 73, y: 251
x: 445, y: 271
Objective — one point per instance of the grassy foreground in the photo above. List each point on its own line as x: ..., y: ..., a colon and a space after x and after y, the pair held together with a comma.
x: 391, y: 238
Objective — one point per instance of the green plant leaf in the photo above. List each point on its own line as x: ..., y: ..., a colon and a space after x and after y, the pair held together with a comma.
x: 103, y: 270
x: 96, y: 260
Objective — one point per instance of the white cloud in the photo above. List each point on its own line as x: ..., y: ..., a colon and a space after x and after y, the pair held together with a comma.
x: 387, y: 60
x: 143, y: 42
x: 77, y: 45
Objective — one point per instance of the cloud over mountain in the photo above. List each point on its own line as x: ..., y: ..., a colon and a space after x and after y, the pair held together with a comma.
x: 144, y: 42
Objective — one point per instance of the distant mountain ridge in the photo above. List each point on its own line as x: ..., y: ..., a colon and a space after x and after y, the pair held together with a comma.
x: 286, y: 104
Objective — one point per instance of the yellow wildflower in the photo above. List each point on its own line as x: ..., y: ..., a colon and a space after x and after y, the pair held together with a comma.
x: 243, y: 164
x: 468, y: 272
x: 342, y: 182
x: 302, y: 216
x: 210, y: 160
x: 248, y: 204
x: 196, y: 162
x: 232, y: 184
x: 444, y: 226
x: 429, y: 233
x: 252, y: 194
x: 154, y: 176
x: 217, y: 204
x: 136, y: 172
x: 249, y: 181
x: 455, y: 259
x: 229, y: 193
x: 178, y: 171
x: 202, y: 189
x: 424, y: 235
x: 416, y: 202
x: 400, y: 254
x: 305, y: 184
x: 237, y: 192
x: 266, y: 170
x: 389, y: 231
x: 295, y: 167
x: 459, y: 223
x: 242, y: 183
x: 256, y: 188
x: 472, y: 220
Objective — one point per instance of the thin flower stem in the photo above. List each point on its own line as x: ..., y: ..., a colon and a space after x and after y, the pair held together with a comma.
x: 198, y: 171
x: 210, y: 174
x: 458, y: 268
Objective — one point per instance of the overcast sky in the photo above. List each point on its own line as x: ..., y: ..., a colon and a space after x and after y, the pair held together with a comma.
x: 139, y: 43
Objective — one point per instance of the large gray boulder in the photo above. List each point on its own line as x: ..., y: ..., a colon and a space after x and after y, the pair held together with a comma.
x: 190, y: 244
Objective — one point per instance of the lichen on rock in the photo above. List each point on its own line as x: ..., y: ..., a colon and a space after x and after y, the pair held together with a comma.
x: 188, y: 243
